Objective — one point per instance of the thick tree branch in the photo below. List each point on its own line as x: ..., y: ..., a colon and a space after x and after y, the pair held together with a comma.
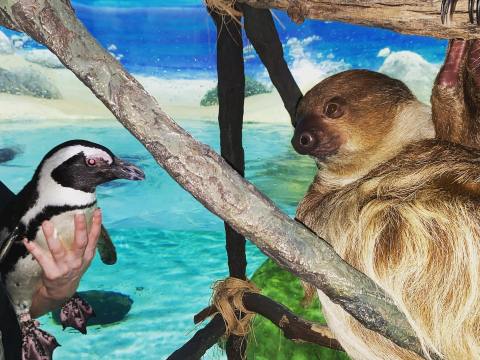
x: 292, y: 326
x: 204, y: 173
x: 409, y: 17
x: 203, y: 340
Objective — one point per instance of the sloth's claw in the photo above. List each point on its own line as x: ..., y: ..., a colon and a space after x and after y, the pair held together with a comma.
x: 450, y: 74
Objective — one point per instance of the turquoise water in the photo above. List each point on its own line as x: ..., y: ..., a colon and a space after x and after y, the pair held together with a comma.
x: 170, y: 248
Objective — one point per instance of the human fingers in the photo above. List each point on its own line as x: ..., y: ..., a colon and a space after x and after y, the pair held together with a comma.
x: 81, y: 237
x: 54, y: 244
x: 43, y: 257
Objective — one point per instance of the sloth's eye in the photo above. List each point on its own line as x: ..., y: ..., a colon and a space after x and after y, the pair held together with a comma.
x: 331, y: 109
x: 334, y: 108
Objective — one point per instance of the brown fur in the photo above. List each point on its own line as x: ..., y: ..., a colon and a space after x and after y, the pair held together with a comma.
x: 363, y: 119
x: 409, y: 219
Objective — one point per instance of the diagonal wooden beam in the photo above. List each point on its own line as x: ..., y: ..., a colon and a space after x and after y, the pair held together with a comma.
x: 261, y: 32
x: 409, y: 17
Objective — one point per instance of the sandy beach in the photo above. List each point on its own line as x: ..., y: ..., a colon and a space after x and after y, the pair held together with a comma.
x: 180, y: 98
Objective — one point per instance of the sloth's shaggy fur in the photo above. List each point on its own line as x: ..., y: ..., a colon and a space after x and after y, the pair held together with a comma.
x: 411, y: 222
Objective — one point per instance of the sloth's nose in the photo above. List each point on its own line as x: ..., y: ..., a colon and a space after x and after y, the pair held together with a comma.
x: 304, y: 142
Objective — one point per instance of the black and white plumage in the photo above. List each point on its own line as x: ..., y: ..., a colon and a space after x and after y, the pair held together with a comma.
x: 63, y: 185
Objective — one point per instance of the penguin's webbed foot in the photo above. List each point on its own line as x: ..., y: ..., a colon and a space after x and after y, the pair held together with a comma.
x: 36, y: 343
x: 75, y: 313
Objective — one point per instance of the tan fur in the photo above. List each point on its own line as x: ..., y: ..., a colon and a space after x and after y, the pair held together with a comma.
x: 410, y: 220
x: 404, y: 227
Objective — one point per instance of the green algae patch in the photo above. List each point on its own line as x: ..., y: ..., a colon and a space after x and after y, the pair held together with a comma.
x: 266, y: 340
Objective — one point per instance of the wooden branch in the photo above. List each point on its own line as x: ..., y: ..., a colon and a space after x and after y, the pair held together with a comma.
x: 261, y: 32
x: 231, y: 98
x: 292, y: 326
x: 205, y: 313
x: 205, y: 174
x: 409, y: 17
x: 203, y: 340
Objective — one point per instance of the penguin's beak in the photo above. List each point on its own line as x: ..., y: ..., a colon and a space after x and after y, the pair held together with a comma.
x: 124, y: 170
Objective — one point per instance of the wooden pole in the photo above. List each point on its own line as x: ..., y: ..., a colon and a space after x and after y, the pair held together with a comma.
x: 231, y: 95
x: 261, y: 31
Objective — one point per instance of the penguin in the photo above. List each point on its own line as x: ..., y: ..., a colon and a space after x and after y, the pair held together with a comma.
x: 63, y: 185
x: 9, y: 328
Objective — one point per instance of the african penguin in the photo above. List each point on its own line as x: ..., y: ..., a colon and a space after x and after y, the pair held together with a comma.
x: 63, y: 184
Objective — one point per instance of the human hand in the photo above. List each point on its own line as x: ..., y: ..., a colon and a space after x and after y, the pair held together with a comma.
x: 62, y: 267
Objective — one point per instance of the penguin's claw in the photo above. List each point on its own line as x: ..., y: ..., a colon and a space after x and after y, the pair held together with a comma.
x: 36, y: 343
x: 75, y: 313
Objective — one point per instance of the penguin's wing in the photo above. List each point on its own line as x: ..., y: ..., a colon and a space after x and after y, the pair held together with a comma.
x: 106, y: 248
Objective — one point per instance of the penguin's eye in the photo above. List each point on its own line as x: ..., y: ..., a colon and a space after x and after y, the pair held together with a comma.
x: 334, y: 108
x: 91, y: 162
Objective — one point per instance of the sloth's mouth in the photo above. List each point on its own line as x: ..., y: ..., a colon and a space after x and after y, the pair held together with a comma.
x: 326, y: 148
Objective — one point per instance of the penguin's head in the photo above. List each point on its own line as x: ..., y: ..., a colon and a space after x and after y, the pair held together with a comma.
x: 82, y: 165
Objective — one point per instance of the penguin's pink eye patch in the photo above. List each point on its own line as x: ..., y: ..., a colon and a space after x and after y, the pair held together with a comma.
x: 95, y: 157
x: 91, y: 162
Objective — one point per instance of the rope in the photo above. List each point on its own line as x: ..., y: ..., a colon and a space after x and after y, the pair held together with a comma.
x: 227, y: 299
x: 224, y: 7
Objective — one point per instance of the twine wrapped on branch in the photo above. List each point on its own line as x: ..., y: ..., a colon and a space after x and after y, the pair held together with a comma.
x: 224, y: 7
x: 227, y: 299
x: 237, y: 301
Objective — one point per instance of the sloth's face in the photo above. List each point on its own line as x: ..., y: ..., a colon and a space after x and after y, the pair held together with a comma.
x: 347, y: 116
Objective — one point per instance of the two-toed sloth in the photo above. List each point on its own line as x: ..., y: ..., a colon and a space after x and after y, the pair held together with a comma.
x: 397, y: 204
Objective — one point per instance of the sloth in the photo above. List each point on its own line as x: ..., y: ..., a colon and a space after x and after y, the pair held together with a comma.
x: 397, y: 194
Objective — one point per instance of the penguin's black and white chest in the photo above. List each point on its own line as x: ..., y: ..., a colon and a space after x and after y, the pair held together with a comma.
x: 24, y: 278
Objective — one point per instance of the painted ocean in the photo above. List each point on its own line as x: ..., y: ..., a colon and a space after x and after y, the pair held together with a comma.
x: 171, y: 249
